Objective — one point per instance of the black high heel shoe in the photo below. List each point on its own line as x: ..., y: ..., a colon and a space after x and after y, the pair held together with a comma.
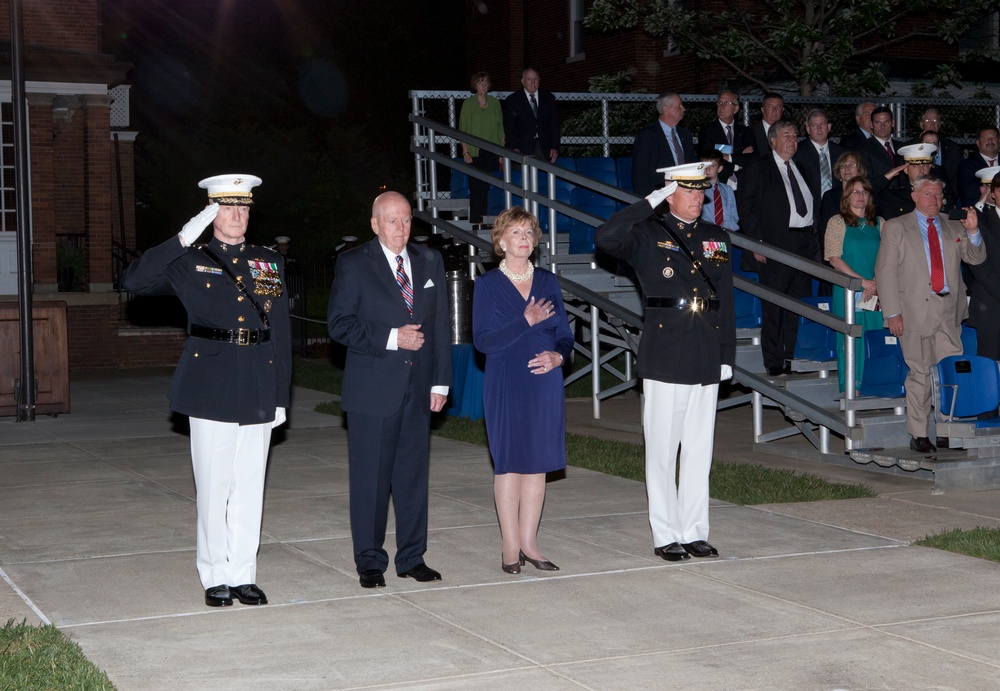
x: 540, y: 564
x: 510, y: 568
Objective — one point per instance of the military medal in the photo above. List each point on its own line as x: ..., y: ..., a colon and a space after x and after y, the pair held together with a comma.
x: 266, y: 280
x: 668, y: 272
x: 715, y: 251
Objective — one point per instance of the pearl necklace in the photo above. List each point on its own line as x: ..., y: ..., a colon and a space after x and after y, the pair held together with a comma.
x: 517, y: 278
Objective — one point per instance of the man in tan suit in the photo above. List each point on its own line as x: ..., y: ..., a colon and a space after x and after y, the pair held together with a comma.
x: 920, y: 288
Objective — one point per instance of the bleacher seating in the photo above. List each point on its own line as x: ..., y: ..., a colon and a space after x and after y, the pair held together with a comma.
x: 967, y: 386
x: 816, y: 342
x: 969, y: 340
x: 885, y: 370
x: 625, y: 173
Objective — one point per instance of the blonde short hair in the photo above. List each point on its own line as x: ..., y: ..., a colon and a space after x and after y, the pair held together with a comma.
x: 512, y: 217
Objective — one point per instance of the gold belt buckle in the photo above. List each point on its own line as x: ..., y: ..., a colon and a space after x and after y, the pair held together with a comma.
x: 243, y: 337
x: 698, y: 304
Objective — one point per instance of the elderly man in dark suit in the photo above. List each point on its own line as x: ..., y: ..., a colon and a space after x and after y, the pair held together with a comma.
x: 233, y: 379
x: 815, y: 157
x: 776, y: 208
x: 987, y: 145
x: 530, y: 121
x: 725, y: 131
x: 948, y: 154
x: 661, y: 145
x: 772, y: 109
x: 984, y: 306
x: 389, y: 306
x: 922, y: 293
x: 856, y: 138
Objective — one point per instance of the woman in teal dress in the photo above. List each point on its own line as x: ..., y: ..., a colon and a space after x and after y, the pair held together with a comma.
x: 481, y: 116
x: 852, y: 240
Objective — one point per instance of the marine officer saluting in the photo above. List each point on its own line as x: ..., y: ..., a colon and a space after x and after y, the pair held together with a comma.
x: 233, y: 378
x: 688, y: 346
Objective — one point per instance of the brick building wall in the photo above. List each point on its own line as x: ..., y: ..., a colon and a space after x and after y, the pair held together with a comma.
x: 93, y: 335
x: 149, y: 347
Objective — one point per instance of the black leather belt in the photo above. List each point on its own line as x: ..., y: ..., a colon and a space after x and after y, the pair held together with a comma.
x: 237, y: 336
x: 692, y: 304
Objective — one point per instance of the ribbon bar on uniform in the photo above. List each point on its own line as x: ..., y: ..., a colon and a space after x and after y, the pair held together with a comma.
x: 692, y: 304
x: 237, y: 336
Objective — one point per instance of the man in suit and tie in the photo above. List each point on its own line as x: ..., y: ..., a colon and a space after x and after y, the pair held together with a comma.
x: 661, y: 145
x: 776, y: 208
x: 389, y: 306
x: 720, y: 200
x: 815, y: 157
x: 772, y: 109
x: 855, y: 140
x: 879, y: 152
x: 987, y: 143
x: 725, y: 131
x: 530, y: 121
x: 922, y: 293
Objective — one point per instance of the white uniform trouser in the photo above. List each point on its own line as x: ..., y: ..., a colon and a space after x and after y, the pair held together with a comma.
x: 678, y: 415
x: 229, y: 461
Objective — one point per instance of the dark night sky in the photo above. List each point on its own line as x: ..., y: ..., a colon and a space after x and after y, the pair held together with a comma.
x: 301, y: 92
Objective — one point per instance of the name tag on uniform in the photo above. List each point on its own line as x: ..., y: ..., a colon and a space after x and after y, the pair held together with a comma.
x: 266, y: 280
x: 715, y: 251
x: 208, y: 270
x: 667, y: 245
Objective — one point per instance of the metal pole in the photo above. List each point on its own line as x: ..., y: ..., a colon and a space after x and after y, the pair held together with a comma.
x: 595, y: 360
x: 26, y: 394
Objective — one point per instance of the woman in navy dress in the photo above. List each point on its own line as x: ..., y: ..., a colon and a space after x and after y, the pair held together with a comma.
x: 520, y: 324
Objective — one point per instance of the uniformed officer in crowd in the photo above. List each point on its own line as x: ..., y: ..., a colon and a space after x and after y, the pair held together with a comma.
x: 233, y: 379
x: 688, y: 346
x: 896, y: 199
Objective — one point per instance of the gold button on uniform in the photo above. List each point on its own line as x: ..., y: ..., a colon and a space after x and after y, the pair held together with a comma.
x: 241, y: 320
x: 208, y: 285
x: 239, y: 299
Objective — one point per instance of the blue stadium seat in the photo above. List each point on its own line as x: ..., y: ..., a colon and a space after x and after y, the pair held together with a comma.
x: 625, y: 173
x: 459, y: 183
x: 595, y: 166
x: 581, y: 235
x: 968, y: 385
x: 566, y: 162
x: 816, y: 342
x: 885, y: 370
x: 970, y: 340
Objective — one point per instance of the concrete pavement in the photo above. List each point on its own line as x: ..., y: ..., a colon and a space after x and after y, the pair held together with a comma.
x: 97, y: 536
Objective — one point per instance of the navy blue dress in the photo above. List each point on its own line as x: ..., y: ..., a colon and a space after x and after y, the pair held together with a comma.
x: 525, y: 413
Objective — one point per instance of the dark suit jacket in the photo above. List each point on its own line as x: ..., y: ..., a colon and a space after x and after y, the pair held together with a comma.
x: 760, y: 143
x: 968, y: 183
x: 651, y: 151
x: 854, y: 141
x: 712, y: 133
x: 365, y: 304
x: 877, y: 160
x: 807, y: 160
x: 764, y: 208
x: 521, y: 127
x: 985, y: 303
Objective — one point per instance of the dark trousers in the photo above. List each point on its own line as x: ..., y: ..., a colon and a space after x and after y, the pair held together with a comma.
x: 479, y: 191
x: 389, y: 455
x: 988, y: 345
x: 779, y: 327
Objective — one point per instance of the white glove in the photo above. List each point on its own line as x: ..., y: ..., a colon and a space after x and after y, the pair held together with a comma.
x: 727, y: 373
x: 657, y: 197
x: 279, y: 416
x: 196, y: 226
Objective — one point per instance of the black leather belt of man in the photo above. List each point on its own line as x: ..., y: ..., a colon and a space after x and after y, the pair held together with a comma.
x: 692, y: 304
x: 237, y: 336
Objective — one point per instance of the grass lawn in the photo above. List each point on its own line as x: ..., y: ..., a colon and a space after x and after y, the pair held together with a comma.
x: 978, y: 542
x: 40, y: 657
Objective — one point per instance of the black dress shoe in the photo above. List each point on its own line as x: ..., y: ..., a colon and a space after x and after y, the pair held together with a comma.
x: 700, y: 548
x: 249, y: 594
x: 422, y: 573
x: 540, y: 564
x: 775, y: 371
x: 942, y: 442
x: 671, y: 552
x: 922, y: 445
x: 372, y: 578
x: 218, y: 596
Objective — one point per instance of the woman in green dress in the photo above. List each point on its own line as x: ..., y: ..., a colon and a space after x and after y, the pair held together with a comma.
x: 852, y: 240
x: 482, y: 116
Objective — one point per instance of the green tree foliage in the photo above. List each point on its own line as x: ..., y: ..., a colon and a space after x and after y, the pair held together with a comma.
x: 836, y: 43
